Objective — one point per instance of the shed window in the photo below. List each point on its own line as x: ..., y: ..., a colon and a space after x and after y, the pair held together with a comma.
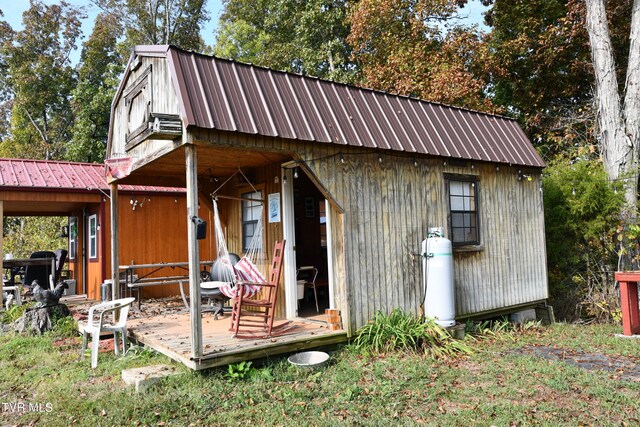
x: 251, y: 211
x: 73, y: 234
x: 463, y: 210
x: 92, y: 235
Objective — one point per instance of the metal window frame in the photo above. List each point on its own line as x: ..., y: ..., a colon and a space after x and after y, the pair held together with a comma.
x: 476, y: 212
x: 243, y: 221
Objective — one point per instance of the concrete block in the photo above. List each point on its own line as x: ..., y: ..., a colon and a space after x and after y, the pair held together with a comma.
x: 523, y: 316
x: 143, y: 377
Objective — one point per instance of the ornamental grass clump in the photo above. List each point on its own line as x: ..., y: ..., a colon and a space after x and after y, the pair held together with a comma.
x: 400, y: 331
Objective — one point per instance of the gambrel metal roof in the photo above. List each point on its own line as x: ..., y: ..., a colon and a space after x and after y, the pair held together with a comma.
x: 227, y: 95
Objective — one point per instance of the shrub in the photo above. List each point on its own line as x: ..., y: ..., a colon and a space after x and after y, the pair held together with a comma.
x: 582, y: 212
x: 399, y: 331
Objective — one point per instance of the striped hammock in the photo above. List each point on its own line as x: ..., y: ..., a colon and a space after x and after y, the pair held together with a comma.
x: 244, y: 272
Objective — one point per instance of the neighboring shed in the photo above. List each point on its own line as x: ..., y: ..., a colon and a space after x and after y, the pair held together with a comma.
x: 375, y: 172
x: 153, y: 230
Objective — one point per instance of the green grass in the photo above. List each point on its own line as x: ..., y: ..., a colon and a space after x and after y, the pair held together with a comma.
x: 494, y: 385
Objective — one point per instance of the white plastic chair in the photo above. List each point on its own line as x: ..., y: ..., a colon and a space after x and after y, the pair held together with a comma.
x: 98, y: 322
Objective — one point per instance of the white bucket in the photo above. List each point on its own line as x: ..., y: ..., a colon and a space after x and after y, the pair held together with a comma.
x: 300, y: 284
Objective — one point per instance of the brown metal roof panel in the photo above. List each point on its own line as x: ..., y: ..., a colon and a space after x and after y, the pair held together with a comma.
x: 458, y: 141
x: 174, y: 58
x: 234, y: 92
x: 190, y: 79
x: 217, y: 99
x: 286, y: 113
x: 316, y: 128
x: 403, y: 115
x: 532, y: 155
x: 318, y: 111
x: 466, y: 135
x: 200, y: 80
x: 256, y: 101
x: 375, y: 103
x: 286, y: 87
x: 337, y: 100
x: 408, y: 120
x: 480, y: 134
x: 291, y: 94
x: 521, y: 153
x: 493, y: 141
x: 253, y: 99
x: 371, y: 128
x: 275, y: 104
x: 504, y: 141
x: 446, y: 148
x: 427, y: 142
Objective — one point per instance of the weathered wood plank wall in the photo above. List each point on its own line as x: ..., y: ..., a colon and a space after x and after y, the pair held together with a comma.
x: 385, y: 209
x: 160, y: 97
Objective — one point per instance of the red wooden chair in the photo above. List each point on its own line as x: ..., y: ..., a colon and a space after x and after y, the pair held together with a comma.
x: 253, y: 318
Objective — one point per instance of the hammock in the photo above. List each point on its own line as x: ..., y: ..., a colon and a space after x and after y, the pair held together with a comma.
x: 245, y: 271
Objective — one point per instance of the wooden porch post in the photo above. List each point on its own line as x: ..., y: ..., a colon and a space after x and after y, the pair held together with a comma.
x: 191, y: 163
x: 115, y: 272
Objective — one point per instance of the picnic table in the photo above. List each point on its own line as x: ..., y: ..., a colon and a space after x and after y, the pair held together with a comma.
x: 135, y: 282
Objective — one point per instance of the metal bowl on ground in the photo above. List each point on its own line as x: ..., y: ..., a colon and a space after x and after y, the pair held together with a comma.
x: 309, y: 359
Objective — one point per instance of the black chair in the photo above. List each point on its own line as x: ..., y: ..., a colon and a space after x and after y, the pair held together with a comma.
x: 41, y: 273
x: 61, y: 258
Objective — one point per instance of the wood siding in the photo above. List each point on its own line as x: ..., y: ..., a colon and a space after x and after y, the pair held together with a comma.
x: 158, y: 96
x: 383, y: 210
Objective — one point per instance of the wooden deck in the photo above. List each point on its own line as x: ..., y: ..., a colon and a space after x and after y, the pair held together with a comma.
x: 167, y: 330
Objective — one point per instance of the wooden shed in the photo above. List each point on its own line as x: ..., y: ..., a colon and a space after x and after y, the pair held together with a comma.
x: 154, y: 228
x: 356, y: 178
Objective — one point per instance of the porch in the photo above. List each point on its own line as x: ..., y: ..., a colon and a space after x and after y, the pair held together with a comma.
x: 164, y: 326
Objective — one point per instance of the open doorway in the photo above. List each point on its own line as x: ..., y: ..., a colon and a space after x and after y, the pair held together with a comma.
x: 312, y: 272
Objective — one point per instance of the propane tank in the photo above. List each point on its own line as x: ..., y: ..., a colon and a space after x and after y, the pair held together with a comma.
x: 437, y: 270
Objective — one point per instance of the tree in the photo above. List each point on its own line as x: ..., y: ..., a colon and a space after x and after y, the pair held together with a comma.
x: 38, y: 80
x: 305, y: 37
x: 176, y: 22
x: 98, y: 77
x: 547, y: 74
x: 618, y: 110
x: 403, y: 46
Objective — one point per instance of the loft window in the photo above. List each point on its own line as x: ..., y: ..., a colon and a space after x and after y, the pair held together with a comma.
x: 463, y: 211
x: 251, y: 211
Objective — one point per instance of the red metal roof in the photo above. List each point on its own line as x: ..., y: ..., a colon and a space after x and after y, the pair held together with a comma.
x: 227, y: 95
x: 56, y: 175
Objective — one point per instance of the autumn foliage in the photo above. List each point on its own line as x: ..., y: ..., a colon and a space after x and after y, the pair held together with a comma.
x: 403, y: 47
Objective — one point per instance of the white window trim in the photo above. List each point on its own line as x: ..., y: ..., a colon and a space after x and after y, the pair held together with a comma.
x: 73, y: 239
x: 92, y: 249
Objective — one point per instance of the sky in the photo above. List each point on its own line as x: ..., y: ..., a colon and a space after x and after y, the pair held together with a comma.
x: 13, y: 10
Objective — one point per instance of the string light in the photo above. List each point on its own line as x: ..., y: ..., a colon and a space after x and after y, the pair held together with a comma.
x: 295, y: 173
x: 379, y: 158
x: 415, y: 162
x: 341, y: 158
